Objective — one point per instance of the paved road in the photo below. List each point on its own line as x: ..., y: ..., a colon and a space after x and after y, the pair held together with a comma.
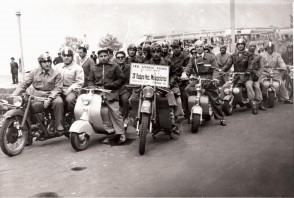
x: 251, y: 156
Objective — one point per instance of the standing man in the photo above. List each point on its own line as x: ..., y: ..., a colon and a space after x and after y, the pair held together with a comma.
x: 58, y: 59
x: 72, y: 78
x: 14, y: 71
x: 205, y: 66
x: 109, y: 75
x: 221, y: 60
x: 94, y: 57
x: 85, y: 62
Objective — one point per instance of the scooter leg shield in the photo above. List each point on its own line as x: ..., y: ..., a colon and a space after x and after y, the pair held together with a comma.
x: 81, y: 126
x: 196, y: 110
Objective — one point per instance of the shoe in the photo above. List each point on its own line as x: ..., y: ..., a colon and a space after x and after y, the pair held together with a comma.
x: 107, y: 140
x: 175, y: 130
x: 254, y: 111
x: 223, y: 122
x: 288, y: 101
x: 261, y: 107
x: 122, y: 139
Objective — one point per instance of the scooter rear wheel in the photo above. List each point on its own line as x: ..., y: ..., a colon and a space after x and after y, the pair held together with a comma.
x: 227, y: 108
x: 195, y: 123
x: 143, y: 132
x: 271, y: 99
x: 77, y: 143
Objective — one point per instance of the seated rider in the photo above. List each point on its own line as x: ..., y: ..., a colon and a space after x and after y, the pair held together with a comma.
x: 109, y: 75
x: 46, y: 83
x: 204, y: 65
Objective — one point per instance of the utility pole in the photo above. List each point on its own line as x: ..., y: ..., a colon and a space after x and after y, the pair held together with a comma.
x: 232, y: 16
x: 85, y: 36
x: 20, y: 43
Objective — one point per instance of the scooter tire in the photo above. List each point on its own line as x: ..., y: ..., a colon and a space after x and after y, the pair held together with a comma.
x: 227, y: 108
x: 195, y: 123
x: 271, y: 99
x: 9, y: 151
x: 143, y: 133
x: 77, y: 144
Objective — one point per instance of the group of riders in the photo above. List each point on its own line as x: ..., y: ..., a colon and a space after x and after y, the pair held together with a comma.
x: 60, y: 84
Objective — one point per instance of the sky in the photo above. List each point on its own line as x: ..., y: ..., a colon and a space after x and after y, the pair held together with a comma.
x: 45, y: 23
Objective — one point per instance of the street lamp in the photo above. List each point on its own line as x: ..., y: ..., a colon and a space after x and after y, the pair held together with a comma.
x: 20, y: 43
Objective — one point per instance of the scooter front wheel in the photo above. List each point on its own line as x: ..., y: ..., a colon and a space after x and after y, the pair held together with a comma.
x: 227, y: 108
x: 271, y: 99
x: 195, y: 123
x: 79, y: 141
x: 13, y: 139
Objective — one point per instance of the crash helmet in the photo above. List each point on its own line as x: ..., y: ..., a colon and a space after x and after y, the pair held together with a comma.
x: 241, y: 41
x: 155, y: 47
x: 146, y: 47
x: 67, y: 51
x: 176, y: 43
x: 44, y: 57
x: 270, y: 45
x: 140, y: 47
x: 132, y: 46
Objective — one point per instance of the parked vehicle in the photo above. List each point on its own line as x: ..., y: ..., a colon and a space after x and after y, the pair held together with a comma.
x: 199, y: 104
x: 26, y: 119
x: 146, y: 110
x: 92, y: 117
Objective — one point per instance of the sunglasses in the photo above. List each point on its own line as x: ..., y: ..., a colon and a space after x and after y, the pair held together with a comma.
x: 120, y: 57
x: 67, y: 55
x: 193, y: 52
x: 45, y: 61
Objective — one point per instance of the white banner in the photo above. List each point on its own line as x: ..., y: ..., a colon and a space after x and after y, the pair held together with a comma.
x: 153, y: 75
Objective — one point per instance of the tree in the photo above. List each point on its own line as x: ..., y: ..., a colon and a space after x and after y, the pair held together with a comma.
x: 72, y: 42
x: 110, y: 41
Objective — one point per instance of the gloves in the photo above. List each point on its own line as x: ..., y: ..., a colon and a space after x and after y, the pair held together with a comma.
x: 47, y: 102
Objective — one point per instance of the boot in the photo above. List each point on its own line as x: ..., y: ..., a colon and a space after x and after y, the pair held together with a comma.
x: 261, y: 107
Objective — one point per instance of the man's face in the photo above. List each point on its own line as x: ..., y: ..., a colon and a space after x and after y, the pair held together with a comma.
x: 67, y: 59
x: 176, y: 50
x: 252, y: 48
x: 193, y: 52
x: 223, y: 50
x: 82, y: 54
x: 140, y: 52
x: 120, y: 58
x: 241, y: 47
x: 199, y: 49
x: 131, y: 52
x: 270, y: 50
x: 46, y: 65
x: 156, y: 55
x: 103, y: 57
x: 11, y: 60
x: 164, y: 49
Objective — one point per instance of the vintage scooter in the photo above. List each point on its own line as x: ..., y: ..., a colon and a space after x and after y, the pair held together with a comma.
x: 236, y: 94
x: 92, y: 117
x: 151, y: 112
x: 26, y: 119
x: 271, y: 85
x: 199, y: 104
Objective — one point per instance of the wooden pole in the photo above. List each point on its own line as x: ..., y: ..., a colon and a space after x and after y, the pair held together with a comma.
x: 21, y: 48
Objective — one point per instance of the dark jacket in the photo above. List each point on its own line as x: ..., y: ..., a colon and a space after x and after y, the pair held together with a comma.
x: 126, y: 69
x: 14, y: 68
x: 113, y: 78
x: 205, y: 67
x: 57, y: 60
x: 134, y: 59
x: 177, y: 62
x: 288, y: 58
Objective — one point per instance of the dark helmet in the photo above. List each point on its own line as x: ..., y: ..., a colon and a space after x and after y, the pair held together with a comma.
x: 140, y: 47
x: 223, y: 46
x: 176, y: 43
x: 44, y: 57
x: 132, y: 46
x: 155, y: 47
x: 100, y: 50
x: 146, y: 47
x: 67, y: 51
x: 270, y: 45
x: 241, y: 41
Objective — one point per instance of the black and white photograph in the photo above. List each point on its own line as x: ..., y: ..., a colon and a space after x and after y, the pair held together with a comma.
x: 146, y: 98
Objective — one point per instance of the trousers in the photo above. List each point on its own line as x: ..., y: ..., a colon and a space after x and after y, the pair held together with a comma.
x: 116, y: 116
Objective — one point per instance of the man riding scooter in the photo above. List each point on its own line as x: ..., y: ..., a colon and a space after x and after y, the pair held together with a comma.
x: 46, y: 82
x: 204, y: 65
x: 243, y: 62
x: 108, y: 75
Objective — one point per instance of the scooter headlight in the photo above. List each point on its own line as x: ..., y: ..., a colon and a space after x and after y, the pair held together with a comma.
x: 86, y: 99
x: 227, y: 91
x: 148, y: 92
x: 17, y: 101
x: 198, y: 87
x: 236, y: 90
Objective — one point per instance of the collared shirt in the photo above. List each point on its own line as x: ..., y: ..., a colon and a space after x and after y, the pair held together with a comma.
x: 273, y: 60
x: 72, y: 75
x: 42, y: 81
x: 82, y: 61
